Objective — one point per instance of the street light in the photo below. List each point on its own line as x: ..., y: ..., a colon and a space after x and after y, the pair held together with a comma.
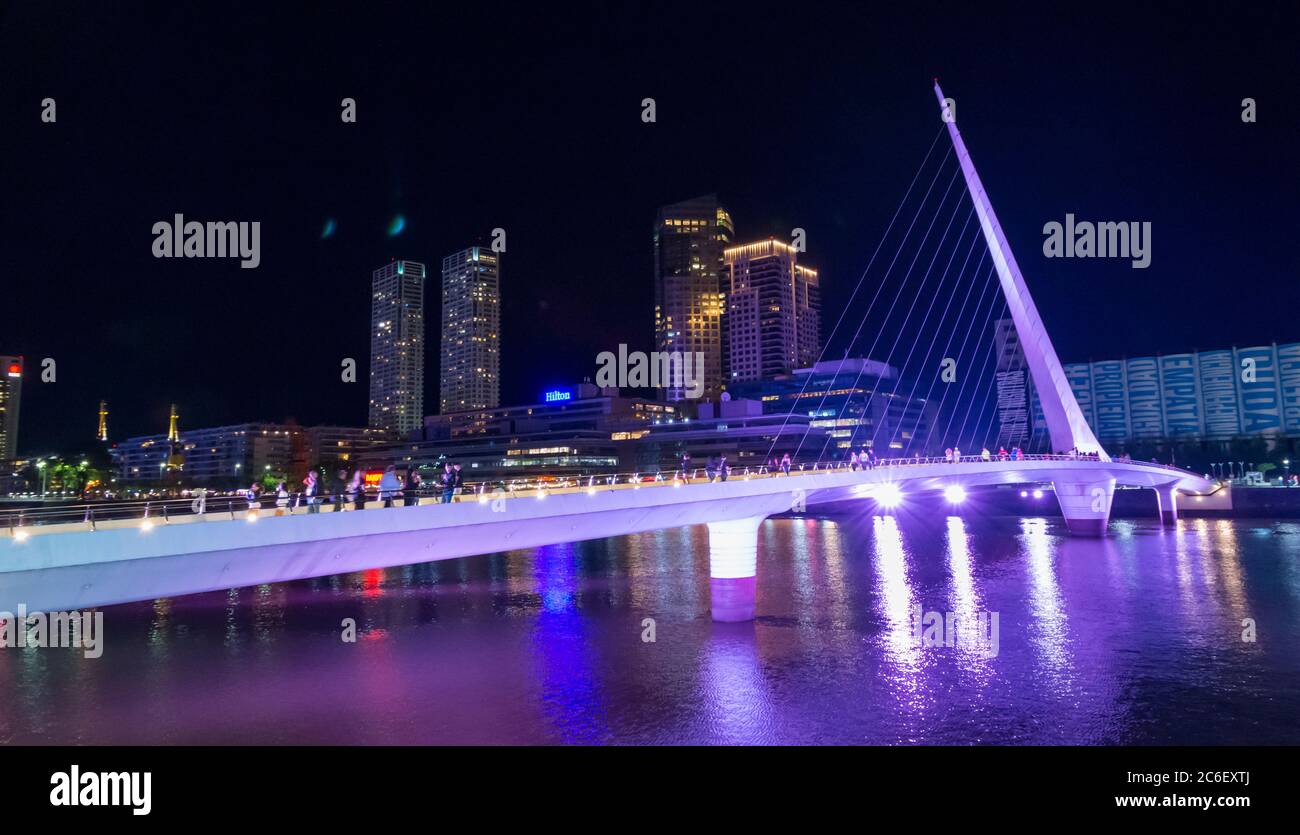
x: 40, y: 465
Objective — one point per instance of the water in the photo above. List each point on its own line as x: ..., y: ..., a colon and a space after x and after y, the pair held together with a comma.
x: 1136, y: 639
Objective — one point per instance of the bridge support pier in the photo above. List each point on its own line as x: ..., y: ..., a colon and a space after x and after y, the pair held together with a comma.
x: 1085, y: 505
x: 1167, y: 504
x: 733, y: 568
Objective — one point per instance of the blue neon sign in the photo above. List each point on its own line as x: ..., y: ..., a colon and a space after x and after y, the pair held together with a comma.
x: 558, y: 395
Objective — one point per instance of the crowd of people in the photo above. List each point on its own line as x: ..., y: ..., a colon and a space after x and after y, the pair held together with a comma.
x: 344, y: 492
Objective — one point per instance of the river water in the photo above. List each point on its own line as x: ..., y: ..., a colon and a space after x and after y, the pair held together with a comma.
x: 1141, y: 638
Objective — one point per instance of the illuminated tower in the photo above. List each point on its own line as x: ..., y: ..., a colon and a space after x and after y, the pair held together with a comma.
x: 397, y: 347
x: 102, y: 434
x: 470, y: 373
x: 176, y: 456
x: 773, y: 308
x: 689, y: 238
x: 11, y: 390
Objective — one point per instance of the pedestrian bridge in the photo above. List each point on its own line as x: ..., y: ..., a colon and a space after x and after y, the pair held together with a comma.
x: 90, y: 563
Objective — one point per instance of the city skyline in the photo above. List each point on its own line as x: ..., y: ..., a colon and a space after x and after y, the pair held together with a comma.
x: 918, y: 379
x: 578, y: 275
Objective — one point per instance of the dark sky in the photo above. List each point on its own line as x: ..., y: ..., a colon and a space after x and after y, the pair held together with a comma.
x: 528, y: 118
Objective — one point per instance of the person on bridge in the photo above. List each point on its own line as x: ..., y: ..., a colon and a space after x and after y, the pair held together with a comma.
x: 390, y: 486
x: 460, y: 478
x: 711, y: 468
x: 947, y: 455
x: 338, y: 487
x: 281, y: 499
x: 411, y: 488
x: 985, y: 454
x: 357, y: 490
x: 311, y: 491
x: 1002, y: 453
x: 785, y: 463
x: 686, y: 466
x: 448, y: 483
x: 853, y: 460
x: 723, y: 469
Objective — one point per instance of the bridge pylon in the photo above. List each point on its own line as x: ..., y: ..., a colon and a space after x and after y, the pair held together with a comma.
x: 1066, y: 424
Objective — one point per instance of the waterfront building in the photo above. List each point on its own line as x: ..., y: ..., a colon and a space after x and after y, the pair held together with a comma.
x: 470, y: 373
x: 243, y: 452
x: 11, y: 398
x: 397, y: 347
x: 857, y: 401
x: 568, y: 431
x: 1217, y: 395
x: 1011, y: 377
x: 773, y: 307
x: 689, y: 291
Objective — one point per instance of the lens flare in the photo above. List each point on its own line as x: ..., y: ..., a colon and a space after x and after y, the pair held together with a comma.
x: 396, y: 225
x: 888, y: 495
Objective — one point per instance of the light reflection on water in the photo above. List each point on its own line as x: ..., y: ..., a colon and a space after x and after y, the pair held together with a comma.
x: 1132, y: 639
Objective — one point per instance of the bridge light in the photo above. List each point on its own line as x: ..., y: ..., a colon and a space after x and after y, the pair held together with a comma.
x: 889, y: 495
x: 1038, y: 494
x: 252, y: 516
x: 1024, y: 494
x: 20, y: 535
x: 954, y: 493
x: 146, y: 526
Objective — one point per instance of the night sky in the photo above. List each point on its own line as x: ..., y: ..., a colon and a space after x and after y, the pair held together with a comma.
x: 529, y: 119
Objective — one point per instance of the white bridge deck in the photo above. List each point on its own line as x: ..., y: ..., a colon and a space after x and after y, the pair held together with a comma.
x: 71, y: 566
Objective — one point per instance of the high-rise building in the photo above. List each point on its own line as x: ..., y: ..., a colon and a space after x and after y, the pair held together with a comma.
x: 11, y: 392
x: 689, y: 239
x: 102, y: 432
x: 470, y: 376
x: 397, y: 347
x: 1011, y: 375
x: 773, y: 307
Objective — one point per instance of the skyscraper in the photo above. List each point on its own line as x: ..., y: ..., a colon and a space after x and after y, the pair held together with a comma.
x: 11, y: 391
x: 773, y: 308
x: 470, y: 377
x: 689, y: 239
x: 397, y: 347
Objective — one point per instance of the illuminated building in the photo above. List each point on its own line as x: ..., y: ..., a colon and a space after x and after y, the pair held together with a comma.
x: 773, y: 306
x: 1011, y: 376
x: 857, y: 402
x: 244, y: 452
x: 470, y: 373
x: 1208, y: 396
x: 11, y: 391
x: 397, y: 346
x: 689, y: 239
x: 102, y: 432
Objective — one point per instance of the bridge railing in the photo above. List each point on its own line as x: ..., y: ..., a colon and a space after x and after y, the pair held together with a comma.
x: 239, y: 505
